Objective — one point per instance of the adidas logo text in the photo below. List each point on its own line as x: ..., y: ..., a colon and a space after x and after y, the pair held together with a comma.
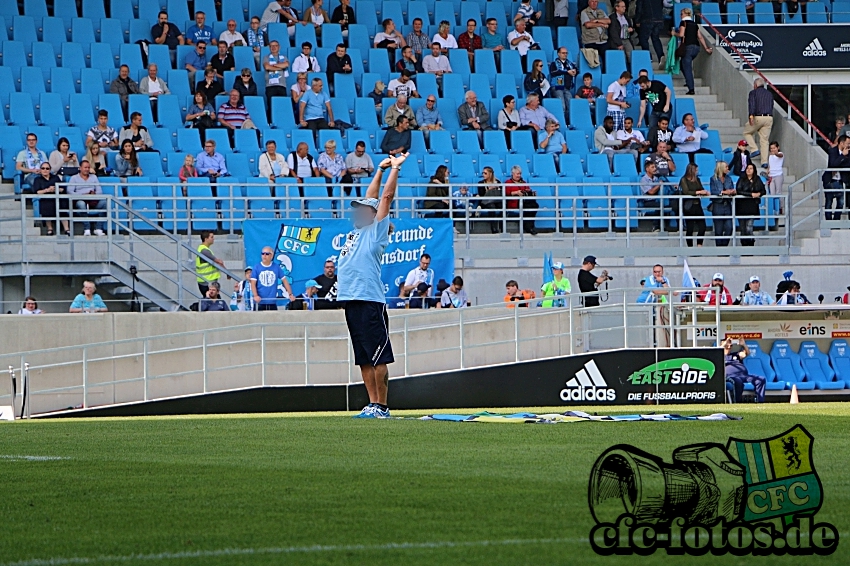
x: 814, y: 49
x: 588, y: 385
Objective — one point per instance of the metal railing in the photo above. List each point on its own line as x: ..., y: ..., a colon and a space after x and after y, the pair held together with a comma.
x: 319, y: 353
x: 815, y: 199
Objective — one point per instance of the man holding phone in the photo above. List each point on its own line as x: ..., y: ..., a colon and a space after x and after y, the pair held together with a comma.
x: 737, y: 372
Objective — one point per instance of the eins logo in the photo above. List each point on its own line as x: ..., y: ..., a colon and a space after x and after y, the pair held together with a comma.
x: 588, y: 385
x: 814, y: 49
x: 812, y: 330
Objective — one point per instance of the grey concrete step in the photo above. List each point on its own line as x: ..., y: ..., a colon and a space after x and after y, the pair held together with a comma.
x: 712, y: 116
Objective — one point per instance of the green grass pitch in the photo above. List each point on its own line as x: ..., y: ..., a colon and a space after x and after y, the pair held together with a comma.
x: 327, y: 489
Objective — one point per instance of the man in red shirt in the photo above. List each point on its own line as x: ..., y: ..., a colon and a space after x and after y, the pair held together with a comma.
x: 516, y: 187
x: 711, y: 293
x: 470, y: 41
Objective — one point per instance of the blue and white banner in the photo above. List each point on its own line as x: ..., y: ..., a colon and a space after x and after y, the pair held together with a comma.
x: 302, y: 246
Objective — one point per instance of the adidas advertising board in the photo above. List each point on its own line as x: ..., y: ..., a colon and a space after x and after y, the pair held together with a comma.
x: 788, y: 46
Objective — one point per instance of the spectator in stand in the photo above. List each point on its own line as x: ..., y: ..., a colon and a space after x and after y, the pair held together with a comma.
x: 654, y: 287
x: 657, y: 95
x: 305, y: 62
x: 594, y: 29
x: 421, y: 274
x: 136, y: 133
x: 521, y: 41
x: 620, y: 31
x: 389, y: 39
x: 127, y: 161
x: 212, y: 301
x: 276, y: 66
x: 562, y: 73
x: 419, y: 299
x: 418, y: 41
x: 750, y: 189
x: 210, y: 87
x: 84, y: 183
x: 691, y: 186
x: 377, y: 94
x: 316, y: 16
x: 232, y: 37
x: 272, y: 164
x: 88, y: 301
x: 755, y: 296
x: 788, y: 293
x: 589, y: 283
x: 403, y: 86
x: 436, y: 63
x: 834, y: 182
x: 30, y: 307
x: 201, y: 115
x: 635, y: 138
x: 660, y: 133
x: 605, y: 140
x: 664, y: 164
x: 551, y: 140
x: 48, y: 184
x: 688, y: 138
x: 491, y: 189
x: 508, y: 119
x: 62, y: 160
x: 222, y: 61
x: 513, y: 294
x: 359, y: 164
x: 428, y: 116
x: 559, y: 286
x: 206, y: 262
x: 327, y: 287
x: 210, y: 164
x: 233, y: 115
x: 650, y: 185
x: 102, y: 133
x: 524, y: 203
x: 760, y: 105
x: 473, y: 115
x: 308, y: 300
x: 740, y: 159
x: 711, y: 292
x: 200, y: 32
x: 187, y: 171
x: 408, y: 62
x: 397, y: 140
x: 561, y: 13
x: 633, y: 88
x: 843, y: 130
x: 266, y: 276
x: 536, y: 81
x: 776, y: 172
x: 153, y: 86
x: 280, y: 11
x: 245, y: 84
x: 338, y: 63
x: 301, y: 164
x: 438, y: 188
x: 528, y: 14
x: 737, y: 372
x: 256, y: 39
x: 470, y: 41
x: 400, y: 108
x: 493, y: 40
x: 689, y: 35
x: 166, y: 33
x: 533, y: 116
x: 98, y: 161
x: 616, y: 99
x: 344, y: 16
x: 332, y: 167
x: 590, y: 92
x: 454, y: 297
x: 124, y: 86
x: 649, y: 15
x: 445, y: 38
x: 196, y: 60
x: 724, y: 190
x: 312, y: 109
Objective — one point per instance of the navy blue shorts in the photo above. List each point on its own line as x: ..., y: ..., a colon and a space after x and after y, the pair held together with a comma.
x: 369, y: 327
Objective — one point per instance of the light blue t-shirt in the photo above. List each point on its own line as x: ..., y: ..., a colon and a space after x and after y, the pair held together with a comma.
x: 556, y: 142
x: 80, y: 302
x: 315, y: 104
x: 648, y: 296
x: 359, y: 271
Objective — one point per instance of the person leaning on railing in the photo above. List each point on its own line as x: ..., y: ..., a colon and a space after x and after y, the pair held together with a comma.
x: 750, y: 189
x: 691, y: 186
x: 88, y: 301
x: 48, y: 184
x: 721, y: 186
x: 490, y: 188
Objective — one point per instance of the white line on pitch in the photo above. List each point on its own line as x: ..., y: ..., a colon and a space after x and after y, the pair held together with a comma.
x: 20, y: 457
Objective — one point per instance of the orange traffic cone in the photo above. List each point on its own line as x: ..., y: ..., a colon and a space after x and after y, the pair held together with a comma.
x: 795, y: 399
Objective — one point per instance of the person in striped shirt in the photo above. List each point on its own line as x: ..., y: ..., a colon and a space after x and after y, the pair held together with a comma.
x: 233, y: 115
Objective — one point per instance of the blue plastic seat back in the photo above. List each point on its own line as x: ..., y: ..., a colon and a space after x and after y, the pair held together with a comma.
x: 786, y: 362
x: 815, y: 362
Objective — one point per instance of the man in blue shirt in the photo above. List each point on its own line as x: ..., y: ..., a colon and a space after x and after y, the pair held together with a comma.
x: 210, y: 163
x: 312, y: 109
x: 654, y: 287
x: 265, y: 277
x: 200, y: 31
x: 359, y: 284
x: 492, y: 39
x: 196, y: 60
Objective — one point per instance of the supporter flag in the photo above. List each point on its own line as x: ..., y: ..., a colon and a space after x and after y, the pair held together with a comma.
x: 547, y: 269
x: 687, y: 281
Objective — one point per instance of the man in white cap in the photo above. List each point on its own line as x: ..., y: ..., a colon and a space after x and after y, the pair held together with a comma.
x: 557, y: 287
x: 307, y: 300
x: 360, y: 285
x: 716, y: 292
x: 755, y: 296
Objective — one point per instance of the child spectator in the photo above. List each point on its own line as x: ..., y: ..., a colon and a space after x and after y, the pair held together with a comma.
x: 590, y: 92
x: 188, y: 169
x: 377, y: 94
x: 776, y: 174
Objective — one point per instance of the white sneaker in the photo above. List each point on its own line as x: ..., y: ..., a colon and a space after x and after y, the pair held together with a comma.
x: 99, y: 233
x: 87, y: 232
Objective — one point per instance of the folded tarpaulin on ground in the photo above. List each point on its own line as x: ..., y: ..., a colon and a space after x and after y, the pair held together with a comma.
x: 571, y: 417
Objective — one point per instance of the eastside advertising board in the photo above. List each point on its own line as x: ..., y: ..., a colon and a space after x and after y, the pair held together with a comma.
x: 779, y: 330
x: 787, y: 46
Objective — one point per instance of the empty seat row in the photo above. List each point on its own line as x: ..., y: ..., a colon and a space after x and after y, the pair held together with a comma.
x: 808, y: 368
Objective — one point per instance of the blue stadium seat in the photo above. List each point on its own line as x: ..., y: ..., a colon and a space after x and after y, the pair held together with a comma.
x: 615, y: 63
x: 32, y: 82
x: 141, y: 103
x: 495, y: 9
x: 426, y: 84
x: 256, y: 107
x: 839, y: 357
x: 278, y: 32
x: 358, y: 37
x: 81, y: 112
x: 121, y: 10
x: 495, y: 142
x: 816, y: 365
x: 306, y: 136
x: 21, y: 111
x: 151, y: 163
x: 453, y: 87
x: 188, y: 141
x: 521, y: 142
x: 711, y: 12
x: 282, y: 116
x: 764, y: 13
x: 140, y: 30
x: 788, y: 366
x: 129, y: 54
x: 444, y: 10
x: 571, y: 166
x: 173, y: 162
x: 459, y: 60
x: 571, y: 206
x: 158, y: 55
x: 577, y: 141
x: 467, y: 142
x: 93, y: 9
x: 82, y: 31
x: 758, y: 363
x: 496, y: 162
x: 506, y: 85
x: 817, y: 13
x: 597, y: 166
x: 641, y: 60
x: 580, y: 114
x: 365, y: 117
x: 470, y: 10
x: 163, y: 140
x: 235, y: 9
x: 55, y: 32
x: 441, y: 141
x: 379, y: 63
x: 61, y: 82
x: 14, y: 57
x: 24, y: 30
x: 221, y: 139
x: 238, y: 164
x: 736, y: 13
x: 43, y: 57
x: 511, y: 65
x: 391, y: 9
x: 544, y: 165
x: 51, y: 110
x: 624, y: 166
x: 685, y: 106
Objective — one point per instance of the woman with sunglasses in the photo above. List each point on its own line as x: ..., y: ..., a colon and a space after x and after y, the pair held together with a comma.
x: 46, y: 184
x: 245, y: 84
x: 535, y: 81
